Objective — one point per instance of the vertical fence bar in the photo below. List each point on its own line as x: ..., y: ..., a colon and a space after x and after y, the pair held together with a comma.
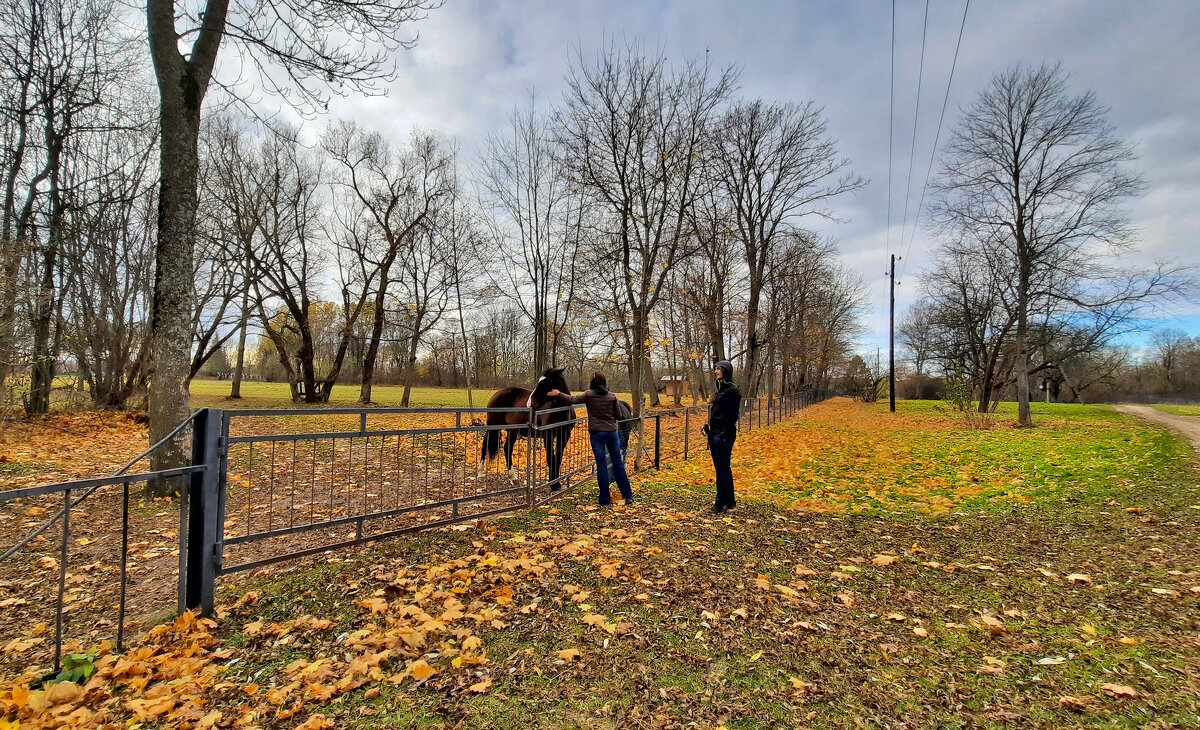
x: 62, y: 580
x: 530, y: 469
x: 687, y: 427
x: 124, y: 565
x: 657, y: 440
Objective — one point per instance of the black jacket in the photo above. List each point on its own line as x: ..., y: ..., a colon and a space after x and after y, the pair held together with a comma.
x: 724, y: 410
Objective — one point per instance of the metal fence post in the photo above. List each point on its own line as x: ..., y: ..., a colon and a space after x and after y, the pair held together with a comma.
x: 530, y: 467
x: 657, y: 440
x: 205, y: 523
x: 687, y: 427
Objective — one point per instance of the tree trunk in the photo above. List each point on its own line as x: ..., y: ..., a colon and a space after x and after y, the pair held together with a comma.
x: 182, y: 84
x: 372, y: 353
x: 753, y: 355
x: 235, y: 391
x: 1024, y: 416
x: 411, y: 367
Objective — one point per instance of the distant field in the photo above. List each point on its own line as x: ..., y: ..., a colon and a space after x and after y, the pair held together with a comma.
x: 257, y: 394
x: 1178, y: 410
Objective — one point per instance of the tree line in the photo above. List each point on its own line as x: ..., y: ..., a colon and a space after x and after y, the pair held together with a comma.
x: 1035, y: 279
x: 649, y: 219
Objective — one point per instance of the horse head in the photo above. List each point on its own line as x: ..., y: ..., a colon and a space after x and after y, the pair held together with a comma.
x: 552, y: 379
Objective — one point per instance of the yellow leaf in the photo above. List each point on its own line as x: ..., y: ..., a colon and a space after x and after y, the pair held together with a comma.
x: 420, y: 670
x: 884, y: 559
x: 756, y: 656
x: 1079, y: 578
x: 374, y: 605
x: 569, y: 655
x: 482, y: 686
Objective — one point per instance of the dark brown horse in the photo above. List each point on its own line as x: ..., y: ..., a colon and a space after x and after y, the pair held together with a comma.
x: 554, y: 439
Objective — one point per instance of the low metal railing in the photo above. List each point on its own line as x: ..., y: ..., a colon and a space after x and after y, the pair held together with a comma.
x: 256, y: 493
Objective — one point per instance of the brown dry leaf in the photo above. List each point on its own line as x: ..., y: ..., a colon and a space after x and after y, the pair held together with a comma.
x: 610, y: 570
x: 896, y: 617
x: 1073, y: 703
x: 1119, y: 690
x: 482, y: 686
x: 63, y: 693
x: 1079, y: 578
x: 845, y: 599
x: 316, y: 722
x: 883, y: 559
x: 569, y: 655
x: 249, y: 598
x: 919, y: 631
x: 1164, y: 592
x: 802, y: 571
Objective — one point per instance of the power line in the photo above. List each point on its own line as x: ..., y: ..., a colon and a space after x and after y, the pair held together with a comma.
x: 891, y: 125
x: 912, y: 150
x: 937, y: 137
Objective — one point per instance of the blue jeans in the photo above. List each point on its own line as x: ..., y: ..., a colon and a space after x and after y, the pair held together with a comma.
x: 608, y: 444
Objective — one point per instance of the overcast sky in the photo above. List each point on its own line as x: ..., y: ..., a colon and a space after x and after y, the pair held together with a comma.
x: 476, y: 59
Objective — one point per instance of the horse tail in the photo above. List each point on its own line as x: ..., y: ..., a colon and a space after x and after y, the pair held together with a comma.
x: 491, y: 444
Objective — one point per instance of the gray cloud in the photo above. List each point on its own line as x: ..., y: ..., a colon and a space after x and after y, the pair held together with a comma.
x: 476, y: 60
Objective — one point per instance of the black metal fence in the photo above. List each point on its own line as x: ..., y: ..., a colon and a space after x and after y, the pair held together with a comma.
x: 268, y: 485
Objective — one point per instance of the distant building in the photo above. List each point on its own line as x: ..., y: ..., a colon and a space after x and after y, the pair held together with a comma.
x: 672, y: 385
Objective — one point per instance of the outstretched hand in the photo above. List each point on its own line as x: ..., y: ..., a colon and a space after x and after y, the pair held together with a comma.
x: 554, y: 392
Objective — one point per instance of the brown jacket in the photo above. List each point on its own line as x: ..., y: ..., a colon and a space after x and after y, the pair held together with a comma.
x: 601, y: 409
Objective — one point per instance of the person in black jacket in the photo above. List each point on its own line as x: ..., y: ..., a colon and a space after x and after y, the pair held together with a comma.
x: 722, y: 431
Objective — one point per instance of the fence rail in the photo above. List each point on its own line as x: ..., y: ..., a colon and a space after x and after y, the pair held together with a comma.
x: 257, y: 491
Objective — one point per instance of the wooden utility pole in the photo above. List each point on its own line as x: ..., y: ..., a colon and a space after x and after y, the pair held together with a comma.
x: 892, y: 338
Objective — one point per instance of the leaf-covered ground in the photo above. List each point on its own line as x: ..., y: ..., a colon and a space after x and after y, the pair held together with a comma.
x: 880, y: 571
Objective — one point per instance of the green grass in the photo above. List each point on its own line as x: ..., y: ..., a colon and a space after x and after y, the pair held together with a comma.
x: 1191, y: 410
x: 1080, y: 469
x: 257, y: 394
x: 1113, y: 498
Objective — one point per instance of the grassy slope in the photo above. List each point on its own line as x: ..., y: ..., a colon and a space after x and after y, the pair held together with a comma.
x: 777, y: 616
x: 1178, y: 410
x: 1052, y: 503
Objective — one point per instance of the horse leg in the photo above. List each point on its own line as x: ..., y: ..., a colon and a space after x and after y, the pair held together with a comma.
x: 552, y: 465
x: 509, y: 443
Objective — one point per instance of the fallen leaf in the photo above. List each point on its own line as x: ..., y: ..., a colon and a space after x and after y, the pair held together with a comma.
x: 1119, y: 690
x: 1079, y: 578
x: 420, y: 670
x: 481, y: 686
x: 569, y: 655
x: 883, y: 559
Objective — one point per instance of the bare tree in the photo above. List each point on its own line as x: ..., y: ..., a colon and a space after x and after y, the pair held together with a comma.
x: 1168, y: 347
x: 397, y: 191
x: 340, y: 43
x: 632, y: 132
x: 774, y: 164
x: 536, y: 215
x: 1041, y: 174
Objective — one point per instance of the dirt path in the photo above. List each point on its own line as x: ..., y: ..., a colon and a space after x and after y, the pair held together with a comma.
x: 1188, y: 425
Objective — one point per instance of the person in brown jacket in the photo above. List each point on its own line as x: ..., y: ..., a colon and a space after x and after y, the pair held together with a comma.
x: 603, y: 417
